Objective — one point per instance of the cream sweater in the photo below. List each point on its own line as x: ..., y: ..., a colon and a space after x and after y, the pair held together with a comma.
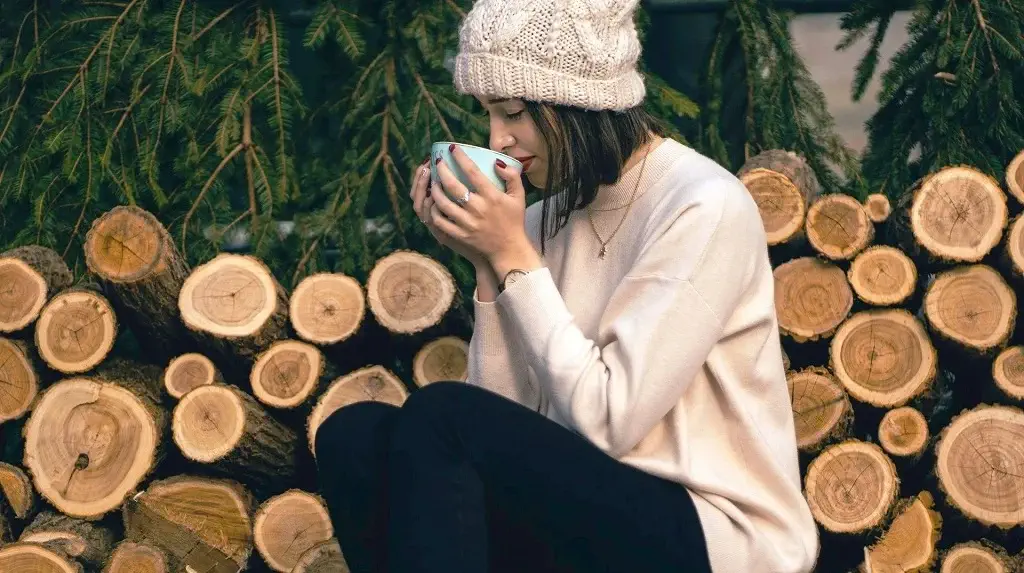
x: 665, y: 354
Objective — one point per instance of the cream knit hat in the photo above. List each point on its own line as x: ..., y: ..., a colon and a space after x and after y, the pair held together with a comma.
x: 580, y: 53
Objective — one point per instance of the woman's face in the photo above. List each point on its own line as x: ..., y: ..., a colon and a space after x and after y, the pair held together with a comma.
x: 514, y: 133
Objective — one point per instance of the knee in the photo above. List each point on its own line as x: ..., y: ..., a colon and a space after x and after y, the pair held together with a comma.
x: 435, y: 400
x: 349, y: 431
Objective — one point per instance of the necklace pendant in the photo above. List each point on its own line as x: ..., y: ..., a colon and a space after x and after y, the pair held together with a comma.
x: 603, y: 252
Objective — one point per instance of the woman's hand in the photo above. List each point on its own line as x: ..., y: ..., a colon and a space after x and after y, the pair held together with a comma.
x: 423, y: 204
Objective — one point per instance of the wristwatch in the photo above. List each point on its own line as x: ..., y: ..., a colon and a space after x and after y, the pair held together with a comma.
x: 511, y: 277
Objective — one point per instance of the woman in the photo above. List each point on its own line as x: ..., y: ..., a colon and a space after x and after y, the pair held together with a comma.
x: 627, y: 407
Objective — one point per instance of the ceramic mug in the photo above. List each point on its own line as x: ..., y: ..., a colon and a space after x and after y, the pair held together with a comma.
x: 481, y: 156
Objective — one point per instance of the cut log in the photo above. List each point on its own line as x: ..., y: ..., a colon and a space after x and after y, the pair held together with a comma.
x: 189, y: 371
x: 327, y: 308
x: 324, y: 557
x: 202, y: 523
x: 229, y: 430
x: 16, y: 488
x: 812, y: 298
x: 373, y: 383
x: 976, y: 557
x: 409, y: 292
x: 903, y: 432
x: 883, y: 357
x: 1008, y: 372
x: 851, y: 486
x: 19, y: 378
x: 91, y: 440
x: 132, y: 255
x: 821, y: 410
x: 1015, y: 177
x: 30, y: 275
x: 446, y: 358
x: 33, y: 558
x: 1013, y: 250
x: 973, y: 306
x: 883, y: 276
x: 288, y: 373
x: 82, y: 540
x: 288, y: 525
x: 838, y: 227
x: 979, y: 461
x: 783, y: 185
x: 909, y: 544
x: 877, y: 206
x: 236, y: 304
x: 958, y: 214
x: 131, y: 557
x: 76, y: 330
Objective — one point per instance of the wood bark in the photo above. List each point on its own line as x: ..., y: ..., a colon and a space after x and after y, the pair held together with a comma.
x: 1015, y: 177
x: 783, y: 185
x: 33, y: 557
x: 289, y: 373
x: 325, y: 557
x: 16, y: 489
x: 977, y: 557
x: 31, y: 275
x: 85, y: 541
x: 1008, y: 372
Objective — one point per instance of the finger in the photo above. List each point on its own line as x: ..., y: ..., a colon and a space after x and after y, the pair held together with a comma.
x: 480, y: 183
x: 460, y: 214
x: 513, y: 179
x: 444, y: 225
x: 419, y: 191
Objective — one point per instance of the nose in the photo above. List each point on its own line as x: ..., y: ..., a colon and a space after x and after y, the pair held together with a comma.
x: 500, y: 138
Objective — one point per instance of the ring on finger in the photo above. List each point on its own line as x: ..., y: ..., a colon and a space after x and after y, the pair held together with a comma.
x: 463, y: 200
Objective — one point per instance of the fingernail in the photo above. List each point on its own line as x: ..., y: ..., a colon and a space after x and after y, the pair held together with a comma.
x: 437, y: 161
x: 427, y: 158
x: 451, y: 148
x: 500, y: 163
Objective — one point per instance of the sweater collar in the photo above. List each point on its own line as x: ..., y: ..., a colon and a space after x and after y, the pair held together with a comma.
x: 617, y: 195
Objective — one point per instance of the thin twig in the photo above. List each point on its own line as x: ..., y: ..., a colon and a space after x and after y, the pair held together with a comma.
x: 277, y: 107
x: 984, y: 30
x: 202, y: 192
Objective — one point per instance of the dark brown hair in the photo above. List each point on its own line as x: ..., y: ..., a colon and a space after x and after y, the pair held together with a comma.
x: 586, y: 149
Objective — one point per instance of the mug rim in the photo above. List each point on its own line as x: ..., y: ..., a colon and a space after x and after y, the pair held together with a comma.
x: 487, y: 149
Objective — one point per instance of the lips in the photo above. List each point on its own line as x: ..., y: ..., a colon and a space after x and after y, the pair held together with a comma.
x: 526, y: 161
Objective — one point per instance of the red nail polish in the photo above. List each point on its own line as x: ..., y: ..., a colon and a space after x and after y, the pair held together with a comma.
x: 438, y: 161
x: 427, y: 158
x: 451, y: 148
x: 500, y: 163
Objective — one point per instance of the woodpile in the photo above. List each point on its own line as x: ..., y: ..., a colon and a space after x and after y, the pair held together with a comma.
x: 905, y: 366
x: 158, y: 417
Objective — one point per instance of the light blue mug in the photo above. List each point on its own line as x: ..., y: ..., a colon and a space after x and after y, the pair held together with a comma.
x: 481, y: 156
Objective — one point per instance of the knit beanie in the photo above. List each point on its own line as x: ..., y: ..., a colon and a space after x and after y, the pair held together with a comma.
x: 580, y: 53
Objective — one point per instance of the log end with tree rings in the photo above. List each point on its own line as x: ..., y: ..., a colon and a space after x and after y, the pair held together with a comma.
x: 903, y: 432
x: 782, y: 184
x: 76, y: 331
x: 812, y: 298
x: 909, y: 543
x: 821, y: 409
x: 125, y: 245
x: 1015, y: 246
x: 883, y: 276
x: 409, y: 292
x: 327, y: 308
x: 287, y: 373
x: 289, y: 524
x: 973, y: 306
x: 188, y: 372
x: 229, y: 296
x: 1008, y: 372
x: 208, y: 423
x: 132, y: 557
x: 324, y: 557
x: 373, y: 383
x: 29, y: 275
x: 979, y: 457
x: 838, y: 227
x: 877, y: 206
x: 88, y: 445
x: 19, y: 378
x: 976, y: 557
x: 446, y: 358
x: 851, y: 486
x: 34, y: 558
x: 1015, y: 177
x: 883, y: 357
x: 958, y: 214
x: 16, y: 488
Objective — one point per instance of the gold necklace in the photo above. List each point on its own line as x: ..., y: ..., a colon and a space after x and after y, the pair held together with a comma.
x: 590, y: 216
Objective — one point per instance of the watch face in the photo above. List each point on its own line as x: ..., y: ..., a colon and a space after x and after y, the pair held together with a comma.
x: 513, y: 276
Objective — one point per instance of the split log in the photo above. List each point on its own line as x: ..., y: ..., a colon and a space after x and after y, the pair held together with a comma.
x: 76, y: 330
x: 976, y: 557
x: 838, y: 227
x: 30, y: 275
x: 236, y: 304
x: 972, y: 306
x: 33, y: 558
x: 882, y: 276
x: 851, y: 487
x: 131, y: 557
x: 409, y: 292
x: 82, y: 540
x: 16, y: 488
x: 1015, y: 177
x: 202, y: 523
x: 783, y: 185
x: 132, y: 255
x: 958, y: 214
x: 883, y: 357
x: 289, y: 373
x: 373, y: 383
x: 821, y: 409
x: 903, y: 432
x: 189, y: 371
x: 446, y: 358
x: 288, y: 525
x: 909, y: 544
x: 327, y: 308
x: 19, y: 376
x: 812, y: 298
x: 91, y: 440
x: 878, y: 208
x: 1008, y: 372
x: 324, y: 557
x: 979, y: 458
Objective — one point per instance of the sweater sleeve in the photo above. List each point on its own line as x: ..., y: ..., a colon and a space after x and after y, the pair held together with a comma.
x: 659, y: 326
x: 495, y: 360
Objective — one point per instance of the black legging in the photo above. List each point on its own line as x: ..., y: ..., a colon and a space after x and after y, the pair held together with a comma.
x: 462, y: 480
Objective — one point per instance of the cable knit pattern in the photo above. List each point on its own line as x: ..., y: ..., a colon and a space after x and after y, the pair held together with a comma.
x: 580, y: 53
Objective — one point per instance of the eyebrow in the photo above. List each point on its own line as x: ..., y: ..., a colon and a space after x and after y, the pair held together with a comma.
x: 498, y: 100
